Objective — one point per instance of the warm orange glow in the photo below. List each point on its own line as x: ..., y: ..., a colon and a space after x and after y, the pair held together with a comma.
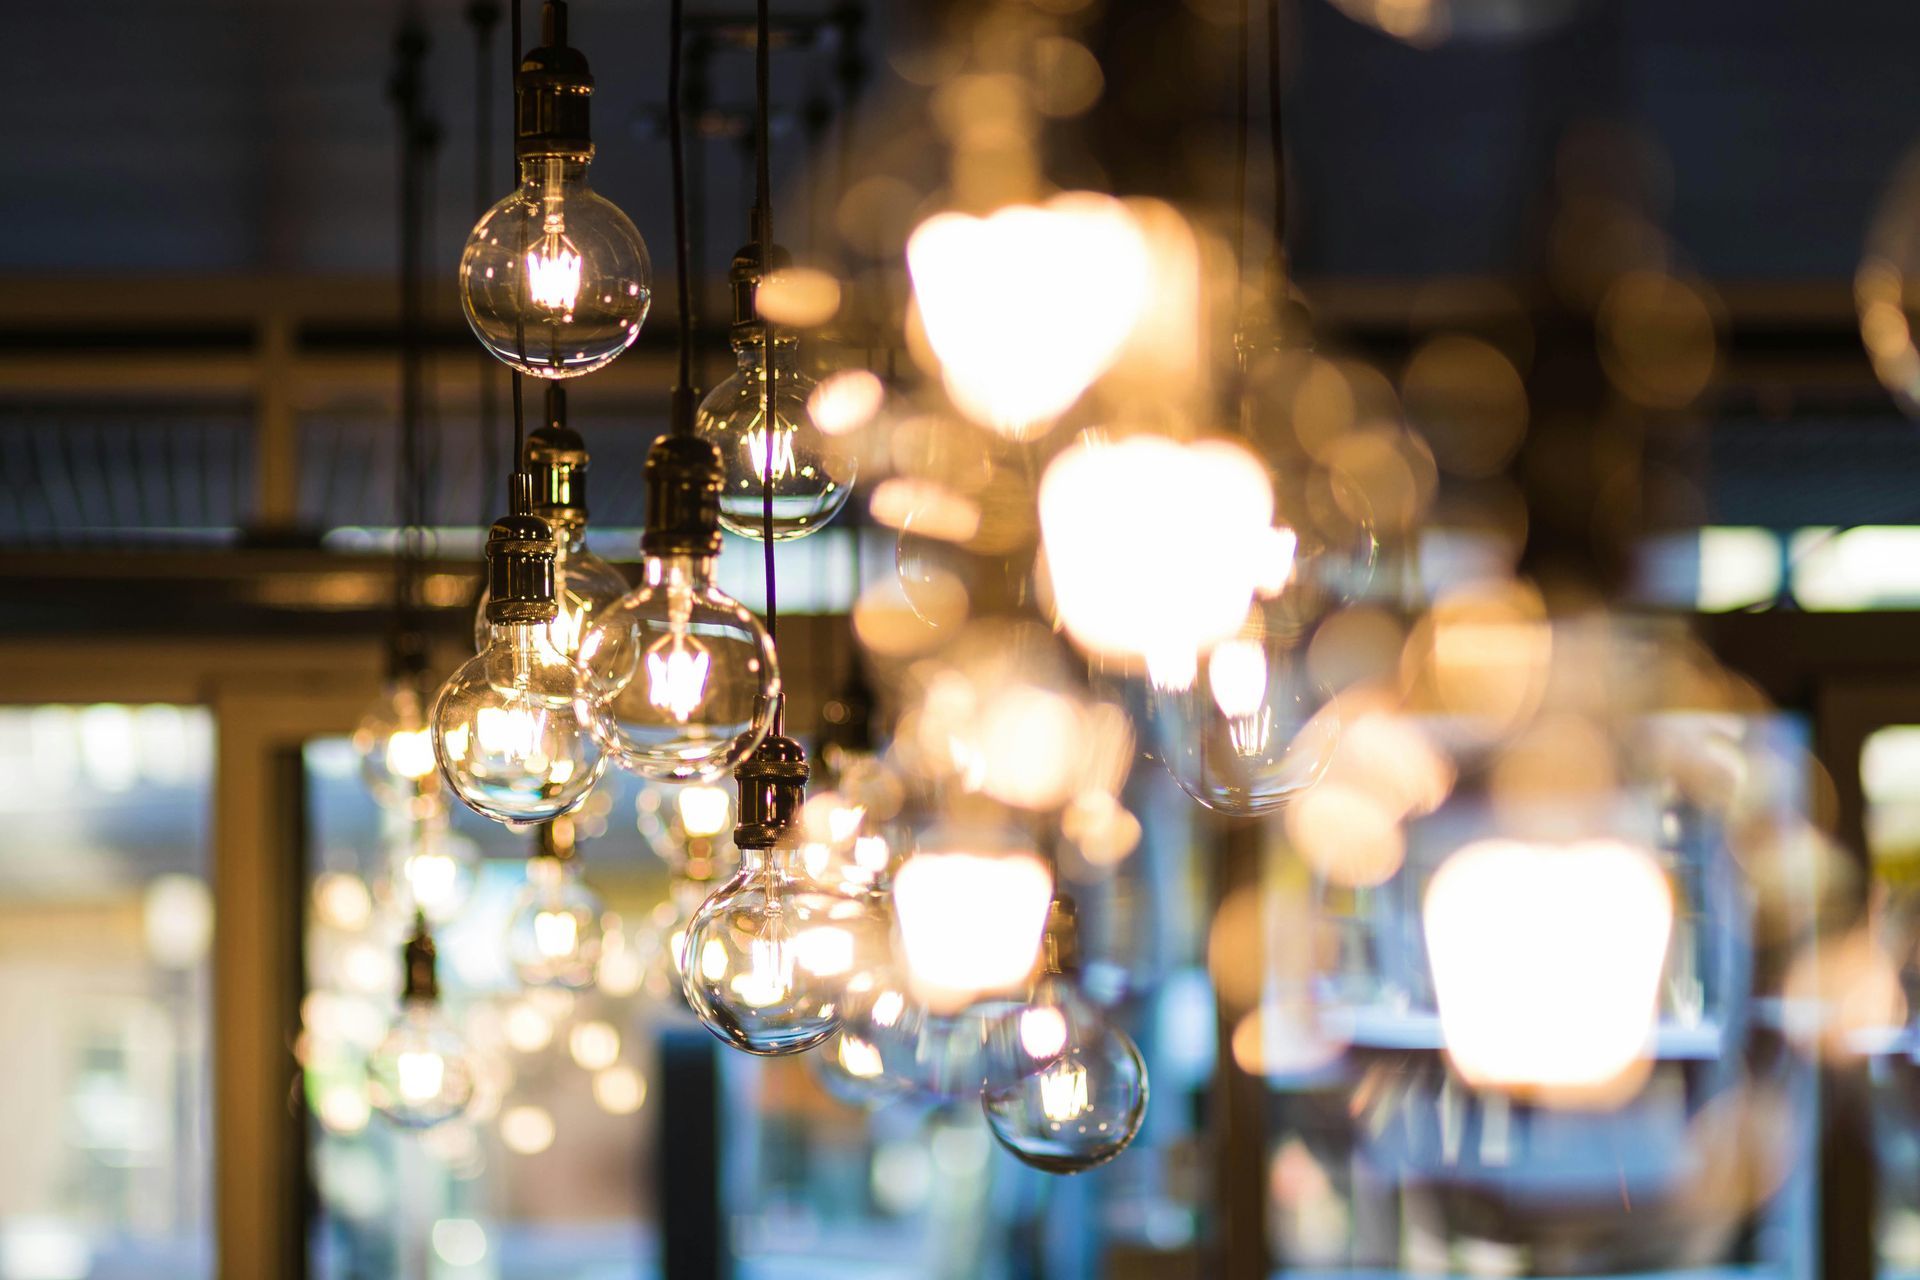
x: 970, y: 923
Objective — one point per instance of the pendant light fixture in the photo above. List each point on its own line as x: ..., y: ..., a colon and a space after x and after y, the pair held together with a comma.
x: 554, y: 935
x: 555, y: 280
x: 682, y: 679
x: 421, y: 1075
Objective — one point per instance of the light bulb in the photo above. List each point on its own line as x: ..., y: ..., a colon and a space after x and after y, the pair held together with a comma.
x: 554, y: 936
x: 554, y: 280
x: 584, y: 586
x: 970, y: 923
x: 854, y: 1071
x: 1251, y: 729
x: 1078, y: 1093
x: 682, y: 677
x: 421, y: 1074
x: 395, y: 748
x: 434, y: 869
x: 512, y: 736
x: 934, y: 1053
x: 811, y: 473
x: 765, y: 957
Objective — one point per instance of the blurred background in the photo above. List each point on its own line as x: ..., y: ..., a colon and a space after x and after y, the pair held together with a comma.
x: 1575, y: 335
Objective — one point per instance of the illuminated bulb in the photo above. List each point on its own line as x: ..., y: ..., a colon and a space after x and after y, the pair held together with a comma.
x: 811, y: 475
x: 395, y: 748
x: 555, y: 279
x: 1025, y: 308
x: 554, y: 935
x: 704, y: 810
x: 970, y: 923
x: 1237, y: 677
x: 421, y: 1074
x: 681, y: 677
x: 435, y: 870
x: 763, y: 970
x: 1117, y: 514
x: 906, y: 1045
x: 1547, y: 963
x: 584, y: 585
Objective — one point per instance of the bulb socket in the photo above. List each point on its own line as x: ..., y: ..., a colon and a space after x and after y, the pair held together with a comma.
x: 684, y: 479
x: 1060, y: 945
x: 744, y: 274
x: 556, y: 839
x: 520, y: 586
x: 552, y: 94
x: 773, y: 787
x: 418, y: 959
x: 556, y: 457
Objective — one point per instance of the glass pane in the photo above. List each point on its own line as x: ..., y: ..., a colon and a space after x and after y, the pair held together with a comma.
x: 550, y: 1173
x: 105, y: 923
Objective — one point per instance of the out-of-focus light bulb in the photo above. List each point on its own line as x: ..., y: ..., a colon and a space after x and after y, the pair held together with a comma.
x: 1547, y: 963
x: 554, y: 936
x: 1026, y: 307
x: 421, y: 1074
x: 434, y: 869
x: 811, y: 473
x: 682, y: 678
x: 395, y: 748
x: 970, y: 923
x: 704, y: 810
x: 554, y: 278
x: 1117, y: 514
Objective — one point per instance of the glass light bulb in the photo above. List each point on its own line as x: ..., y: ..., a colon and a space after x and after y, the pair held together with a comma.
x: 511, y: 733
x: 1249, y: 729
x: 433, y: 871
x: 682, y: 678
x: 395, y: 748
x: 1078, y: 1094
x: 554, y: 936
x: 421, y: 1075
x: 936, y: 1054
x: 854, y: 1071
x: 767, y: 956
x: 583, y: 584
x: 555, y: 279
x: 812, y: 473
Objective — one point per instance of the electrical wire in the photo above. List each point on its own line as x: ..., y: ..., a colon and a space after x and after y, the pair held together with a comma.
x: 1276, y: 140
x: 1243, y: 51
x: 484, y: 16
x: 676, y: 142
x: 763, y: 208
x: 516, y: 38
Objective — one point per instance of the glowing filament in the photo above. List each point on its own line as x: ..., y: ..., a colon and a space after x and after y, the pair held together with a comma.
x: 858, y: 1058
x: 420, y: 1074
x: 1237, y: 676
x: 410, y: 753
x: 1063, y: 1092
x: 784, y: 463
x: 677, y: 668
x: 553, y: 273
x: 555, y: 933
x: 769, y: 976
x: 507, y: 731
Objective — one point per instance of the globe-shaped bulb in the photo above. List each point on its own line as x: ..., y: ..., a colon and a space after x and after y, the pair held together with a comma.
x: 1247, y: 728
x: 421, y: 1074
x: 943, y: 1055
x: 682, y: 679
x: 766, y: 958
x: 554, y: 936
x: 812, y: 473
x: 854, y: 1071
x: 511, y: 734
x: 584, y: 586
x: 395, y: 749
x: 555, y: 279
x: 433, y: 871
x: 1081, y: 1093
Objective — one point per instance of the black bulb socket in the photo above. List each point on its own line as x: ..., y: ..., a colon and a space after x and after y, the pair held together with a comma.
x: 553, y: 93
x: 773, y: 787
x: 684, y: 479
x: 1060, y: 945
x: 556, y: 457
x: 520, y: 586
x: 556, y: 839
x: 418, y: 959
x: 744, y: 274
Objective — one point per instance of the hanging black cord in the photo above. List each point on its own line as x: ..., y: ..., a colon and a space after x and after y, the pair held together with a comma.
x: 763, y: 172
x: 484, y: 16
x: 1276, y: 144
x: 682, y: 423
x: 1243, y: 51
x: 409, y: 53
x: 515, y: 39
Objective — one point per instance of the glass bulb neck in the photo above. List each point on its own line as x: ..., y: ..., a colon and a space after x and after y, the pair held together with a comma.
x: 749, y: 339
x: 693, y: 573
x: 541, y: 173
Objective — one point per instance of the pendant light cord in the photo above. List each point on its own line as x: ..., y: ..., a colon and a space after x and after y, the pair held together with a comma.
x: 405, y: 91
x: 763, y: 208
x: 682, y: 423
x: 484, y: 16
x: 1243, y: 51
x: 1276, y: 144
x: 516, y: 37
